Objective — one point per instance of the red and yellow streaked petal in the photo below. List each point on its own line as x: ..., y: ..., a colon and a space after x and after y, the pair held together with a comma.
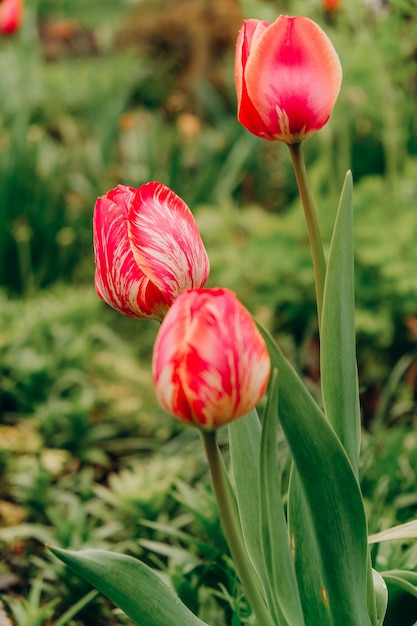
x: 118, y: 279
x: 210, y: 363
x: 165, y: 240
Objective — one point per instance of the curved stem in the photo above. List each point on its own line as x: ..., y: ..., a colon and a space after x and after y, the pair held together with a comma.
x: 314, y: 236
x: 232, y: 532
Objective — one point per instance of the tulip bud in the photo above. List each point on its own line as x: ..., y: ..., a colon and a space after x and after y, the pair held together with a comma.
x: 331, y: 5
x: 288, y: 77
x: 11, y: 13
x: 147, y: 249
x: 210, y: 363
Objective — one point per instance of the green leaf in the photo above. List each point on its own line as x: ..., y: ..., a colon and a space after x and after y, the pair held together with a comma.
x: 339, y: 375
x: 282, y: 588
x: 66, y: 617
x: 131, y: 585
x: 402, y: 597
x: 402, y: 531
x: 334, y: 500
x: 245, y: 445
x: 307, y: 557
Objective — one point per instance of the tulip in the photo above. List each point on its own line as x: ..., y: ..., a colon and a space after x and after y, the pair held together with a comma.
x: 210, y: 363
x: 288, y: 77
x: 147, y: 249
x: 11, y: 13
x: 331, y: 5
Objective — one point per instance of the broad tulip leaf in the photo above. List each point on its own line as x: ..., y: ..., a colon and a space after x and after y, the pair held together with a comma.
x: 307, y: 558
x: 131, y: 585
x: 339, y: 375
x: 244, y: 444
x: 332, y: 494
x: 282, y: 587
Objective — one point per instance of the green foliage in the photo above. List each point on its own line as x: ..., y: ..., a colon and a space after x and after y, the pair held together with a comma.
x: 281, y: 583
x: 128, y: 577
x: 339, y: 375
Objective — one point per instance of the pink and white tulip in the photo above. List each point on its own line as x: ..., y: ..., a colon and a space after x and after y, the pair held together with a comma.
x: 147, y: 249
x: 11, y: 13
x: 288, y: 77
x: 210, y: 362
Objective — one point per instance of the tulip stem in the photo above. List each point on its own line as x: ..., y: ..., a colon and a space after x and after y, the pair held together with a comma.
x: 232, y: 533
x: 314, y: 236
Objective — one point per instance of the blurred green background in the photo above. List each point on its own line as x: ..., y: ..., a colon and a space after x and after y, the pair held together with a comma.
x: 96, y: 93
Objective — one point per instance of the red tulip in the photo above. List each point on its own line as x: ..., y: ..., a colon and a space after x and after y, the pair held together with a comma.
x: 331, y: 5
x: 11, y: 13
x: 147, y: 249
x: 210, y: 363
x: 288, y: 77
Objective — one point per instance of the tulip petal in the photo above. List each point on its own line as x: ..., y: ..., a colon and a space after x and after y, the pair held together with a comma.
x: 165, y: 240
x: 210, y: 364
x: 292, y: 77
x: 118, y: 279
x: 11, y: 13
x: 247, y: 114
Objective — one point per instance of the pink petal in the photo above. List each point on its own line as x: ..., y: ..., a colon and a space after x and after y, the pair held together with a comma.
x: 165, y: 240
x: 11, y: 13
x: 247, y: 114
x: 118, y: 279
x: 293, y: 77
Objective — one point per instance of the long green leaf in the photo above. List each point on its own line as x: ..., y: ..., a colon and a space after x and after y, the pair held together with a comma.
x: 307, y: 557
x: 339, y: 375
x: 282, y: 588
x: 245, y: 445
x: 402, y: 531
x: 131, y: 585
x: 334, y: 499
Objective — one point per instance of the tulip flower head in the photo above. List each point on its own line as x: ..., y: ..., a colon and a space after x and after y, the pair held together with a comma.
x: 210, y: 363
x: 147, y: 249
x: 11, y: 13
x: 331, y: 5
x: 288, y: 77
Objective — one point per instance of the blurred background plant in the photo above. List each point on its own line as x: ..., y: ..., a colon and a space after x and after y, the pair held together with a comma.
x: 96, y: 93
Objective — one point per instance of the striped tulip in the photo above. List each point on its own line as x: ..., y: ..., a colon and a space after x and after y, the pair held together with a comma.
x: 288, y: 77
x: 147, y: 249
x: 210, y: 363
x: 11, y: 13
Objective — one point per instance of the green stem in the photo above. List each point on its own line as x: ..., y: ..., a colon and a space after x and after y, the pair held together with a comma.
x: 314, y: 236
x: 232, y: 532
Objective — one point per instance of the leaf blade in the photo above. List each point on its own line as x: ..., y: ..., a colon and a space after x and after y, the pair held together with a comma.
x: 282, y: 587
x: 244, y: 445
x: 131, y: 585
x: 339, y: 374
x: 332, y: 492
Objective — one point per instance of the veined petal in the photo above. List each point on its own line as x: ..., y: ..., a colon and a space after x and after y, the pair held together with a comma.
x: 210, y: 363
x: 165, y: 240
x: 118, y: 279
x: 293, y: 77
